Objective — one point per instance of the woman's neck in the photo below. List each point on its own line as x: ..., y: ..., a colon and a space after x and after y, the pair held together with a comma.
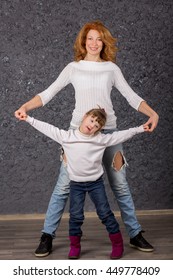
x: 93, y: 58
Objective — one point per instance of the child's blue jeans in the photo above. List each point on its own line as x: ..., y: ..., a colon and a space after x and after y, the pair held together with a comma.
x: 96, y: 192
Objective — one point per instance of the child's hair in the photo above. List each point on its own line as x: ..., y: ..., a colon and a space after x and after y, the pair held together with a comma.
x: 100, y: 114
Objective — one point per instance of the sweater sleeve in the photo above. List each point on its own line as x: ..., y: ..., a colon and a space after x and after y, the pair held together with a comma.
x: 62, y: 81
x: 49, y: 130
x: 121, y: 136
x: 123, y: 87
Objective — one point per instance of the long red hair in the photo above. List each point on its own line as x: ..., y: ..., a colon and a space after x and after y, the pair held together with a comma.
x: 109, y: 50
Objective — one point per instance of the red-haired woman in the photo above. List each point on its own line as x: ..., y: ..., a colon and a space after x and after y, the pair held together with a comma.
x: 93, y: 74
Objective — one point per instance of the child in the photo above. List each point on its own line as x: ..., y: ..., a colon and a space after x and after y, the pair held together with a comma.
x: 84, y: 148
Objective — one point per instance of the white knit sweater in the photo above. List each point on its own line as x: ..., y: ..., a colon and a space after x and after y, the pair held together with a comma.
x: 92, y: 82
x: 84, y: 153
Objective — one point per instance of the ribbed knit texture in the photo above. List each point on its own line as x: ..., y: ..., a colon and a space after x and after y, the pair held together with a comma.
x: 92, y: 82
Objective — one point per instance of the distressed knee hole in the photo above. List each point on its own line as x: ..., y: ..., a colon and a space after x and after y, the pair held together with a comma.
x: 63, y: 156
x: 118, y: 161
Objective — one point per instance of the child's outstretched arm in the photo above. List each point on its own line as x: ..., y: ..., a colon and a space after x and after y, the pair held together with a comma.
x: 124, y: 135
x: 47, y: 129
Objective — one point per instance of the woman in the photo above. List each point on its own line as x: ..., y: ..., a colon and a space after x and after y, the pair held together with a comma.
x: 93, y: 74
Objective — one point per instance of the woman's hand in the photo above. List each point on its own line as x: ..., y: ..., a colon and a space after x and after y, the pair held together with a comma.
x: 152, y: 122
x: 153, y: 116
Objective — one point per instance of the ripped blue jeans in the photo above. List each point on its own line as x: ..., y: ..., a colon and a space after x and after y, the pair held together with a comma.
x: 118, y: 184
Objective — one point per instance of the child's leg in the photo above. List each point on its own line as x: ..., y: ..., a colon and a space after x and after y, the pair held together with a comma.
x: 98, y: 196
x: 77, y: 198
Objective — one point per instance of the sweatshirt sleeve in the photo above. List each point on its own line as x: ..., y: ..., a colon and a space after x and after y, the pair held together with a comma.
x: 62, y: 81
x: 121, y: 136
x: 49, y: 130
x: 123, y: 87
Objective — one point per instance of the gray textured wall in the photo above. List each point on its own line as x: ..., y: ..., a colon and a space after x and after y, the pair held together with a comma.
x: 36, y: 40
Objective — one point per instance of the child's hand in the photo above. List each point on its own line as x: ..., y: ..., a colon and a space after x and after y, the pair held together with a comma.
x: 146, y: 127
x: 20, y: 114
x: 24, y: 117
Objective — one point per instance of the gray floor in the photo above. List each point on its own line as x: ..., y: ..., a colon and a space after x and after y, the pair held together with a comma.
x: 19, y: 237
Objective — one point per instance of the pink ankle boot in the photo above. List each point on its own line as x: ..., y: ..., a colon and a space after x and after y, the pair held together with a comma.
x: 117, y: 245
x: 75, y: 247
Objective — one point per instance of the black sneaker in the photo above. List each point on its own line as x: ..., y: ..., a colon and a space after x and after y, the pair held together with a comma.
x: 45, y: 246
x: 140, y: 243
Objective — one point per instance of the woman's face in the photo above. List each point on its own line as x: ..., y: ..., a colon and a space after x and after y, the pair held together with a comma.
x: 94, y: 43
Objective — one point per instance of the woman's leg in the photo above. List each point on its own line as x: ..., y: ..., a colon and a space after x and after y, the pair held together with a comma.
x: 54, y: 212
x: 57, y: 202
x: 115, y: 166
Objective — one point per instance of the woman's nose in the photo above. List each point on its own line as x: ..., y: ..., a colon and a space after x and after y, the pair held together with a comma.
x: 94, y: 42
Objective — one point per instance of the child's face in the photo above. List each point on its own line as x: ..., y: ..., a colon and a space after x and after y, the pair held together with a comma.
x: 89, y: 125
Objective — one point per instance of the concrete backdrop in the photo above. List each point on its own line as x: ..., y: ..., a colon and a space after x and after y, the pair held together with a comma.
x: 36, y: 42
